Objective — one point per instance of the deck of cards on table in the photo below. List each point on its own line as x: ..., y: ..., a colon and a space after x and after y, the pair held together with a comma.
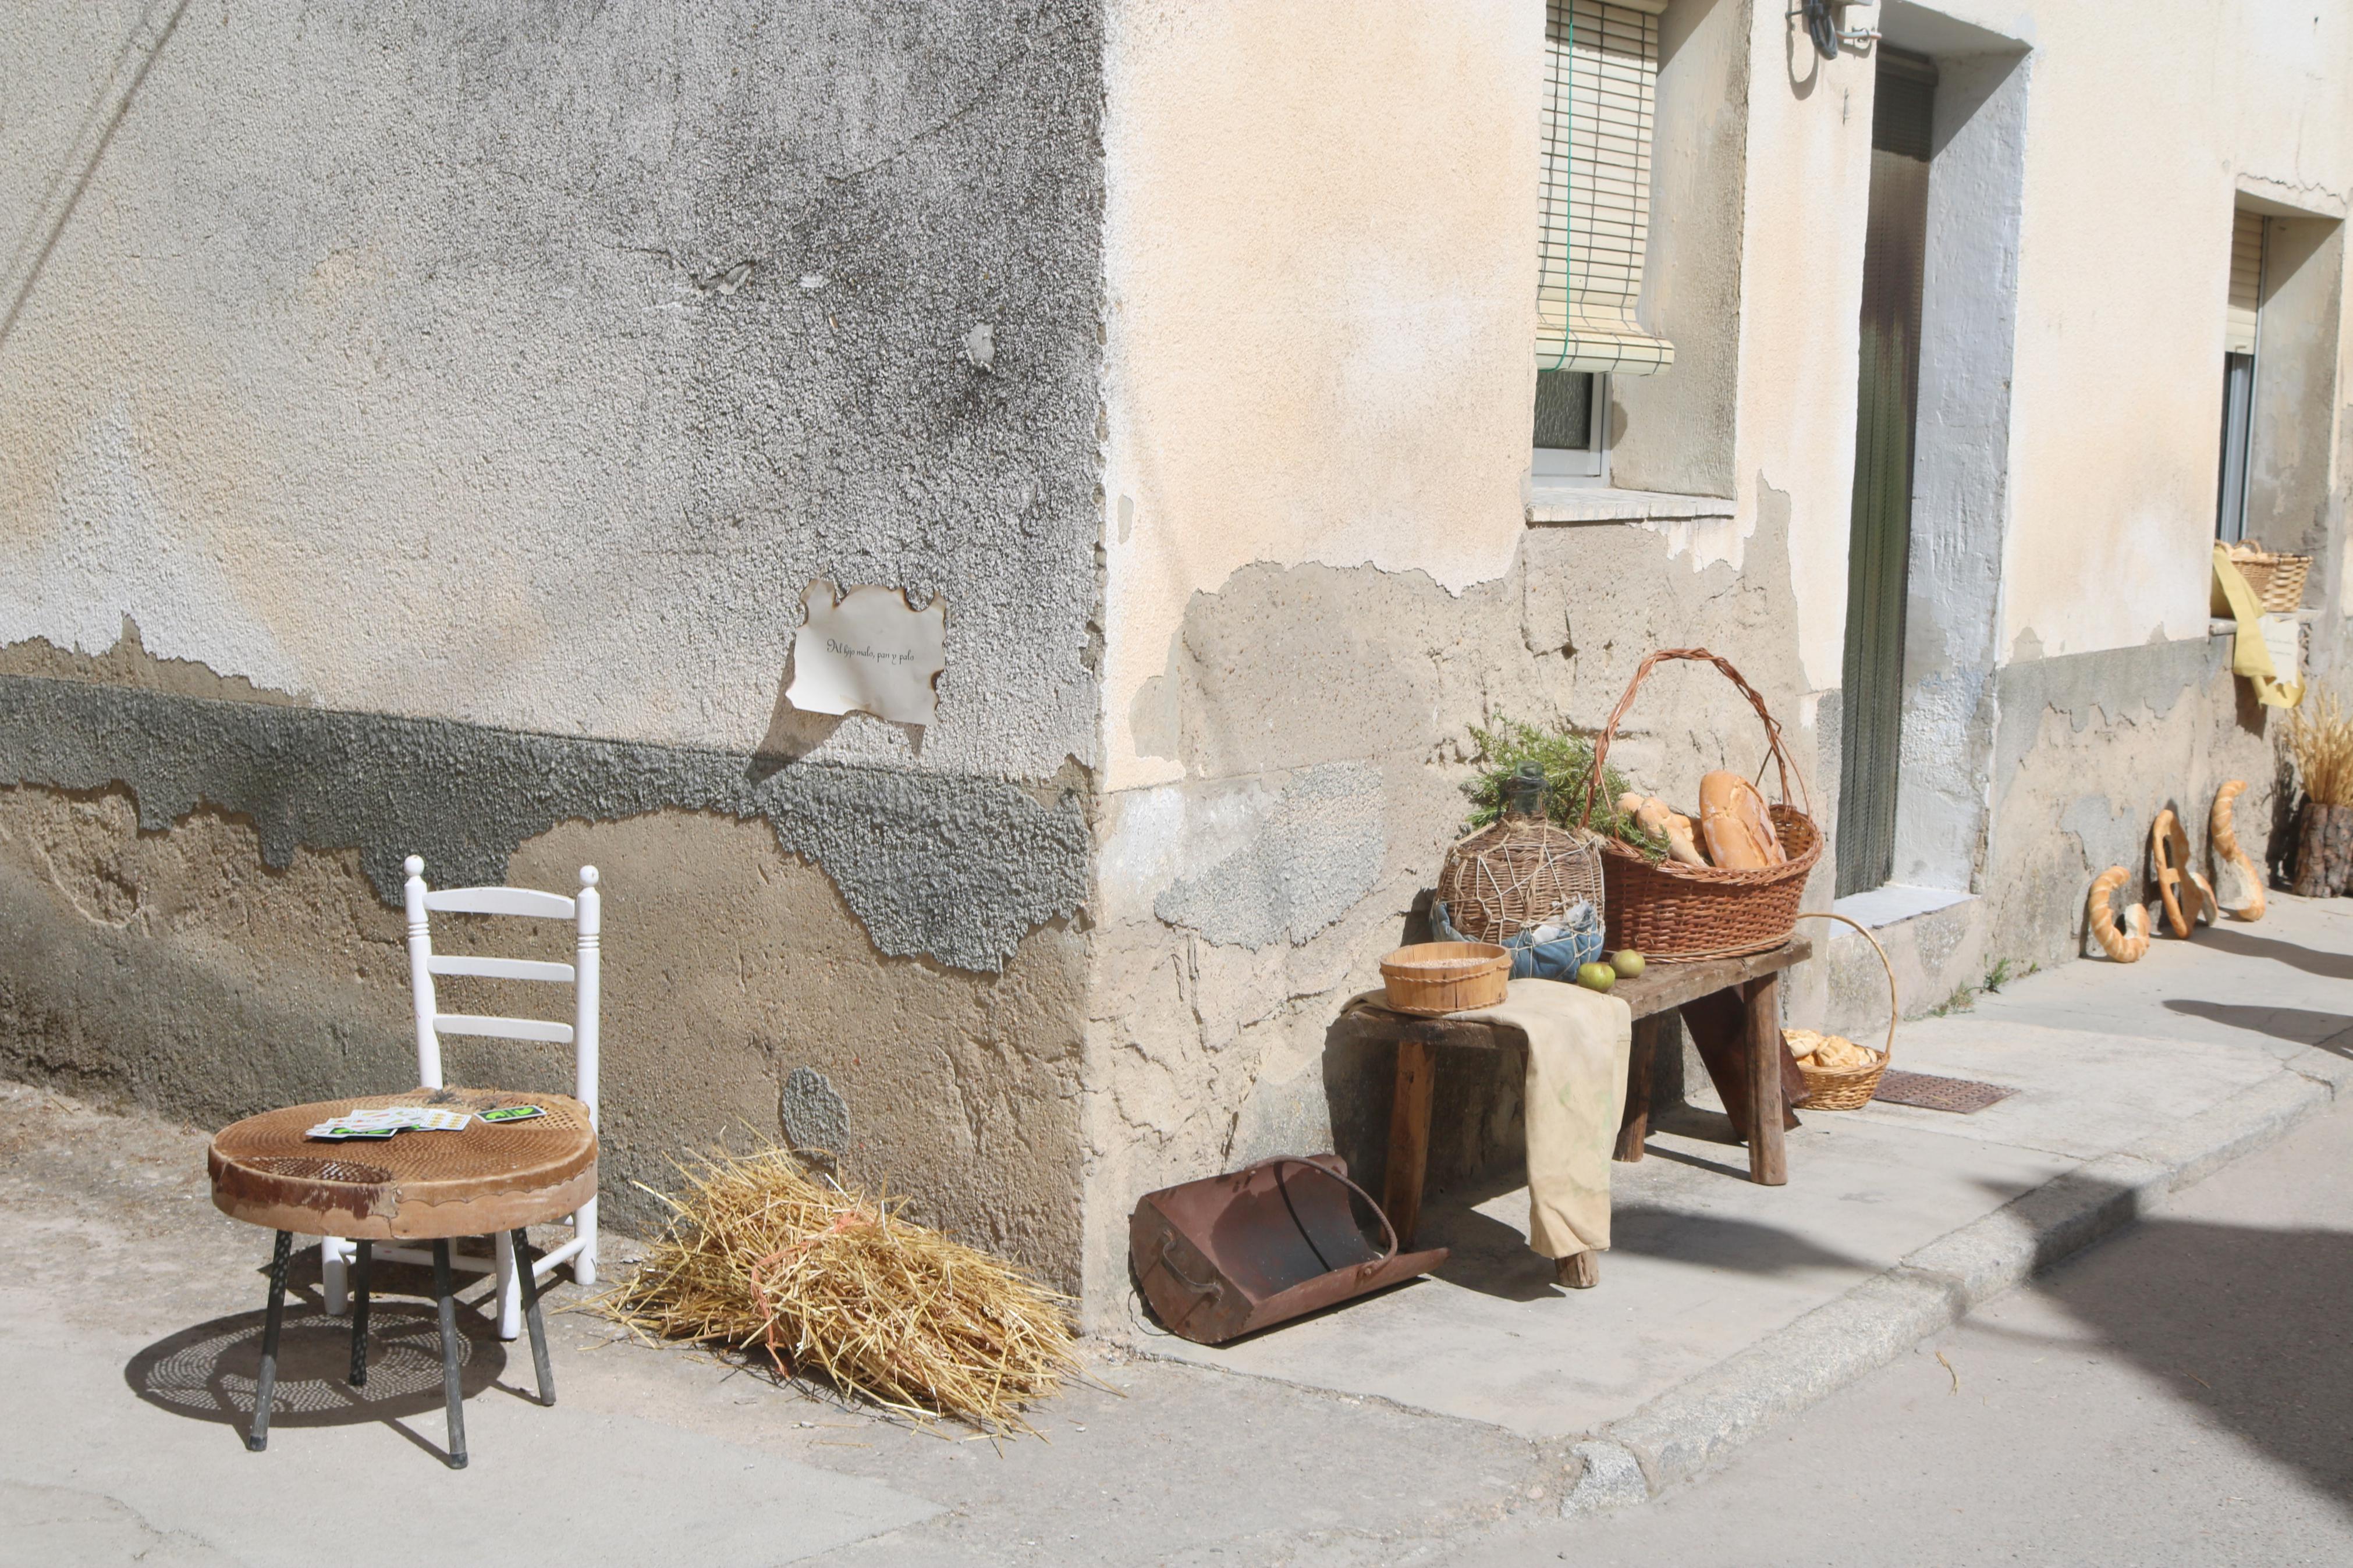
x: 384, y: 1123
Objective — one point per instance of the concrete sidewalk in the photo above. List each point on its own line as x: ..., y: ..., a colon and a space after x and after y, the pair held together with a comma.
x: 1407, y: 1426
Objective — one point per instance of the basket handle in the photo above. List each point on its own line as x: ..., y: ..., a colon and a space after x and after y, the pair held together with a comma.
x: 1894, y: 1007
x: 1780, y: 752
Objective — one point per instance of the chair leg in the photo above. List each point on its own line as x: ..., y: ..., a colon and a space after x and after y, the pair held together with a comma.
x: 366, y: 1255
x: 510, y: 1304
x: 452, y: 1393
x: 334, y: 1258
x: 527, y: 1277
x: 265, y: 1386
x: 583, y: 1262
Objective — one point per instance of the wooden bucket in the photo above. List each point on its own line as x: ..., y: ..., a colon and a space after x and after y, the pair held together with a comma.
x: 1433, y: 977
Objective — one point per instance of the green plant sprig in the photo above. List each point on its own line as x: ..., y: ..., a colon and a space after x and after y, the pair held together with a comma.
x: 1566, y: 759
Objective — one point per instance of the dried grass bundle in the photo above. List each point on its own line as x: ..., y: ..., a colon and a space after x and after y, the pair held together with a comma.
x: 2320, y: 737
x: 760, y: 1256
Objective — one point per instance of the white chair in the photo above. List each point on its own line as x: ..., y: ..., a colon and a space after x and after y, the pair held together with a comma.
x: 335, y: 1253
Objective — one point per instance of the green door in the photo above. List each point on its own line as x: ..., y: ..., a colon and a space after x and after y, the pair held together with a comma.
x: 1879, y: 549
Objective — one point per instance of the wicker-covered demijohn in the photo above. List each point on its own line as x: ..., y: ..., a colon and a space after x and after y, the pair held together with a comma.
x: 1517, y: 872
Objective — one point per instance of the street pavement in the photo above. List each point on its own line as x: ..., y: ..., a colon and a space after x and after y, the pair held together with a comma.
x: 2183, y: 1393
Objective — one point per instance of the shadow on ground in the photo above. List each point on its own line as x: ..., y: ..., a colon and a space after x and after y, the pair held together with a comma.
x: 2246, y: 1324
x: 2295, y: 955
x: 206, y: 1373
x: 2331, y: 1032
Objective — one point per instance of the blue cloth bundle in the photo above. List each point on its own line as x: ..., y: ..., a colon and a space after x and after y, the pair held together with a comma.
x: 1549, y: 950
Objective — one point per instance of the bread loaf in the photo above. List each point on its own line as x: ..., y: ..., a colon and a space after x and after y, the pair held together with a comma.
x: 1683, y: 844
x: 1735, y: 825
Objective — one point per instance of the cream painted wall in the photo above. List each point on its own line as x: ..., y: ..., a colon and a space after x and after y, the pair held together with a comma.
x: 1320, y: 255
x: 1808, y: 194
x: 2139, y: 136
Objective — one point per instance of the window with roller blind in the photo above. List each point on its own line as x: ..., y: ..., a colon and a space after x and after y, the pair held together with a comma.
x: 2242, y: 331
x: 1601, y: 65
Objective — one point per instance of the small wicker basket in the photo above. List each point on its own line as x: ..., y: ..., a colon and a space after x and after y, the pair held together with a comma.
x: 2277, y: 580
x: 1433, y: 977
x: 1850, y: 1089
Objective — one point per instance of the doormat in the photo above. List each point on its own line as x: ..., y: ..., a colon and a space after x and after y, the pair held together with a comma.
x: 1961, y: 1095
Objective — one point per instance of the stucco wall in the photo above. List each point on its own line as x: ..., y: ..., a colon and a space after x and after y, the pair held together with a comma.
x: 1319, y: 261
x: 2139, y: 138
x: 524, y: 365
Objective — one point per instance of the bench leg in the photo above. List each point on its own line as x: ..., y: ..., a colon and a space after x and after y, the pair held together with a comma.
x: 265, y: 1383
x: 527, y: 1280
x: 452, y: 1390
x: 1769, y: 1163
x: 360, y: 1265
x: 1635, y: 1125
x: 1408, y: 1160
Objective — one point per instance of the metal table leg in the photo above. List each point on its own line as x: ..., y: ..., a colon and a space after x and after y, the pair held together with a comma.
x: 265, y: 1386
x: 359, y: 1312
x: 452, y: 1392
x: 527, y: 1279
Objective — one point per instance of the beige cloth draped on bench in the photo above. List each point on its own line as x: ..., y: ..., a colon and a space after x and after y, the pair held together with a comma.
x: 1579, y: 1045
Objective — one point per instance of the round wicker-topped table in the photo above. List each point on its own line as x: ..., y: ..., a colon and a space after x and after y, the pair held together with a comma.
x: 481, y: 1179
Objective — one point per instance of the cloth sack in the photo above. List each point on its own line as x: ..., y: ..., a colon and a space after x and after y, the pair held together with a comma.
x: 1550, y: 950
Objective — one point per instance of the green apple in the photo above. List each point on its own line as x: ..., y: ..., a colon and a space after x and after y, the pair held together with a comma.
x: 1628, y: 964
x: 1596, y: 976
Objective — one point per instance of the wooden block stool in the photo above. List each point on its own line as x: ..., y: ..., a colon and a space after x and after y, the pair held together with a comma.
x: 484, y: 1179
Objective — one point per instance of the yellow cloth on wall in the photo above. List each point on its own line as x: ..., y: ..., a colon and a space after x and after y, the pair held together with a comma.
x: 1579, y: 1045
x: 2250, y: 656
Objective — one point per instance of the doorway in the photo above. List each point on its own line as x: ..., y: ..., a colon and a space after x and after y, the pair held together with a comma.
x: 1879, y: 548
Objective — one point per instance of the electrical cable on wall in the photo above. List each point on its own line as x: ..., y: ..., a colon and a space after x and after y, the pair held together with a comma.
x: 1822, y: 27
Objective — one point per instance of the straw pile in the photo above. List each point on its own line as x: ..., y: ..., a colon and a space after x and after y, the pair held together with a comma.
x: 761, y: 1258
x: 2321, y: 738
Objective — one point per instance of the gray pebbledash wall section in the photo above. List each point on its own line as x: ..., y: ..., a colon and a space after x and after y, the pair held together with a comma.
x: 954, y: 868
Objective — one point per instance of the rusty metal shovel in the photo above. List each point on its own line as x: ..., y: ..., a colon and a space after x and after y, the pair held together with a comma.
x: 1226, y: 1255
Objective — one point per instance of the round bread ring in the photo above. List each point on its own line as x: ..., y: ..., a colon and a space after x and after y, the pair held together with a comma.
x: 2124, y: 946
x: 2233, y: 868
x: 2168, y: 850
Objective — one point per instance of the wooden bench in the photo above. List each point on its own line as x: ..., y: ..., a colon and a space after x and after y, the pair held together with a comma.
x: 1730, y: 1006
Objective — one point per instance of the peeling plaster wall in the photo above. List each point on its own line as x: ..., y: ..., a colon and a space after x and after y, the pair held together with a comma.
x: 1321, y: 716
x: 1320, y: 266
x: 523, y: 364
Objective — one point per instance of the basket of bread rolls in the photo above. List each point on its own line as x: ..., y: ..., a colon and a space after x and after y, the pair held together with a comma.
x: 1842, y: 1075
x: 1733, y: 871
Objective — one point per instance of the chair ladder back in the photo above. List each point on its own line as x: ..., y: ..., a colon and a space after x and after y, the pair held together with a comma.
x: 586, y: 912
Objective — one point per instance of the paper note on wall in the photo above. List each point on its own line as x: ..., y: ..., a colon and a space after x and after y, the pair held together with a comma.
x: 2284, y: 640
x: 867, y: 652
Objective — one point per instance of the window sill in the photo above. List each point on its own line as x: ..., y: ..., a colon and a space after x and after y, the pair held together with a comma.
x: 1564, y: 503
x: 1896, y: 902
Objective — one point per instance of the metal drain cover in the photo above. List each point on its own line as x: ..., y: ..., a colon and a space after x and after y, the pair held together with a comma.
x: 1961, y: 1095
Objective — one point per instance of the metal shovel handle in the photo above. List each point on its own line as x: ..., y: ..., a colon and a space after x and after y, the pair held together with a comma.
x: 1387, y: 1228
